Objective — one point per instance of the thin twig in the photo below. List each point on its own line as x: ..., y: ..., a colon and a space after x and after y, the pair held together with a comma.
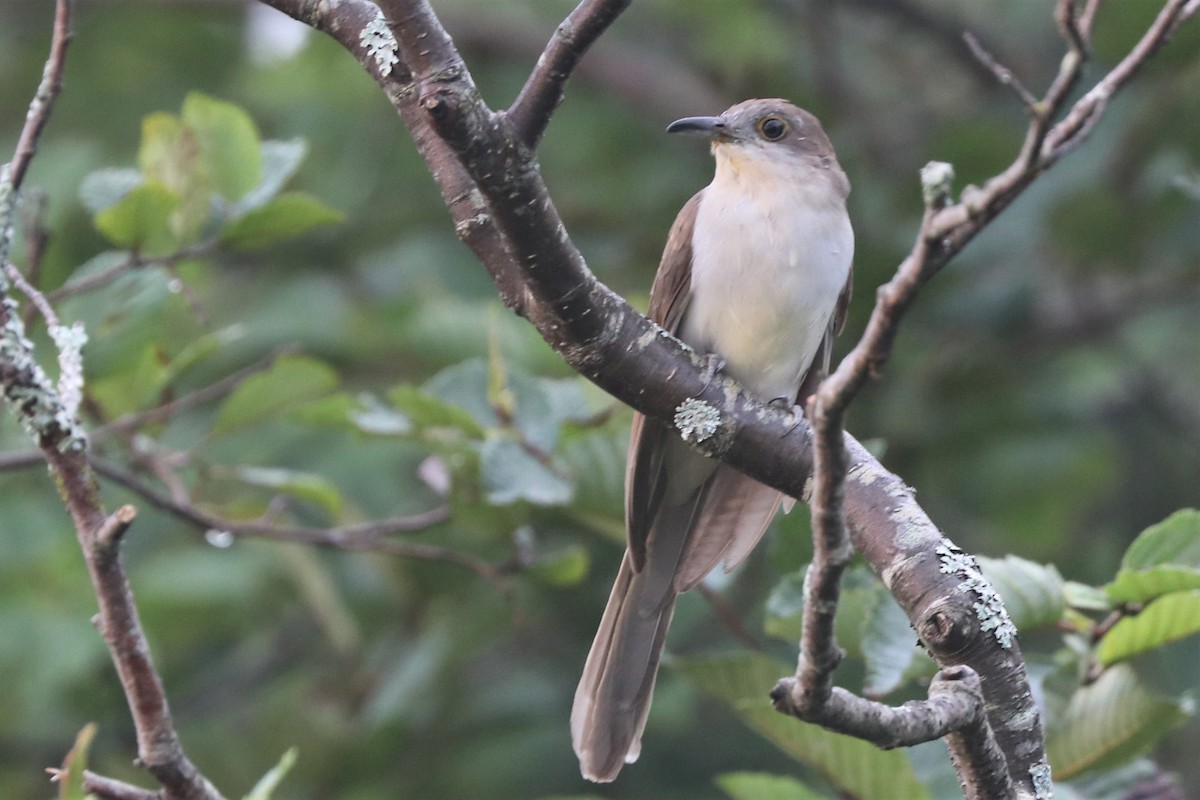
x: 545, y: 88
x: 36, y: 298
x: 89, y: 283
x: 43, y: 99
x: 109, y: 789
x: 1002, y: 73
x: 375, y: 536
x: 207, y: 394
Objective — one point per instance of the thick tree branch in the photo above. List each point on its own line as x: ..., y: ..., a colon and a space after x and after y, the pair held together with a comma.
x: 546, y: 87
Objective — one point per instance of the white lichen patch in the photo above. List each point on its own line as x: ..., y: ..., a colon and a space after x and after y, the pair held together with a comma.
x: 696, y: 420
x: 989, y: 608
x: 937, y: 177
x: 1043, y: 782
x: 866, y: 473
x: 70, y: 339
x: 381, y: 45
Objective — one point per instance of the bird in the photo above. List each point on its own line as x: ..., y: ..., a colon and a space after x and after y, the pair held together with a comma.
x: 756, y: 273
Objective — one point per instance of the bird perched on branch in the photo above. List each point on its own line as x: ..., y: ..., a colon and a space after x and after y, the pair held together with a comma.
x: 756, y: 271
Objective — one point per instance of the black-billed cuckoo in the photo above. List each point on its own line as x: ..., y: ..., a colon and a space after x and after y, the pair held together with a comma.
x: 756, y: 271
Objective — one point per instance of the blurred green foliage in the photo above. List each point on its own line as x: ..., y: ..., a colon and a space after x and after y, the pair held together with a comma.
x: 1042, y: 399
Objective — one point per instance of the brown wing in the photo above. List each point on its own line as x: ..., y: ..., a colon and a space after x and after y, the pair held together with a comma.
x: 820, y: 366
x: 668, y: 300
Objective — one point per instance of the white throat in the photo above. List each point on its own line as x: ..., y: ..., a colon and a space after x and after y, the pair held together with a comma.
x: 771, y: 252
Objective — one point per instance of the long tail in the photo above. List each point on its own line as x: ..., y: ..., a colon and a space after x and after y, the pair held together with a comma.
x: 613, y: 698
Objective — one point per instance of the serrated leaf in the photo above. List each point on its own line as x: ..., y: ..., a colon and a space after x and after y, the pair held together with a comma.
x: 105, y: 187
x: 228, y: 141
x: 141, y: 220
x: 1174, y: 541
x: 268, y: 783
x: 1109, y: 722
x: 1145, y: 585
x: 303, y: 485
x: 1164, y: 558
x: 510, y: 474
x: 426, y: 410
x: 858, y: 768
x: 290, y: 382
x: 280, y: 160
x: 763, y: 786
x: 1167, y: 619
x: 284, y: 217
x: 1032, y: 592
x: 70, y: 779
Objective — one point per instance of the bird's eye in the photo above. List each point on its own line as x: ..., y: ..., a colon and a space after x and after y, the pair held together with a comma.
x: 772, y: 128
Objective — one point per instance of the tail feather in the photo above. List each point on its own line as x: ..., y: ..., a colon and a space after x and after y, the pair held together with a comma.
x: 613, y: 698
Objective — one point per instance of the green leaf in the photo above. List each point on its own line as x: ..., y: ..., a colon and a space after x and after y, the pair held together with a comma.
x: 1109, y: 722
x: 290, y: 382
x: 858, y: 768
x: 141, y: 220
x: 228, y: 141
x: 763, y: 786
x: 1164, y: 558
x: 70, y: 780
x: 170, y: 155
x: 1167, y: 619
x: 427, y: 410
x: 280, y: 160
x: 105, y: 187
x: 1033, y: 593
x: 464, y: 385
x: 286, y: 216
x: 564, y: 567
x: 303, y: 485
x: 511, y: 474
x: 889, y: 644
x: 1175, y: 542
x: 268, y: 783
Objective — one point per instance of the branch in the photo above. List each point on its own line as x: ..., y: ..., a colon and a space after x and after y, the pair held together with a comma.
x: 50, y: 419
x: 370, y: 536
x: 546, y: 86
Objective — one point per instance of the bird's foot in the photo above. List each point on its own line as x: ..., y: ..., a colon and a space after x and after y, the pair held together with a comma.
x: 786, y: 404
x: 713, y: 364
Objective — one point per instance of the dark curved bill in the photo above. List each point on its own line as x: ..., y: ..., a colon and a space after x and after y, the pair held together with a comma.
x: 699, y: 126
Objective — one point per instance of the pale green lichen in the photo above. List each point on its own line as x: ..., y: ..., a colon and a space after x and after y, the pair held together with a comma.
x: 70, y: 339
x: 696, y: 420
x: 937, y: 177
x: 1043, y: 782
x: 380, y: 43
x: 989, y: 609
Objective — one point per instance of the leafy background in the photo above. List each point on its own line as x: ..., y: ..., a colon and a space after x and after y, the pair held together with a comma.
x: 1042, y: 397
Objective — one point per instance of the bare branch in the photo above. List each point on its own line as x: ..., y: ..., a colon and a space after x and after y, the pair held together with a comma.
x: 374, y: 536
x: 109, y: 789
x: 43, y: 99
x: 97, y: 280
x: 1002, y: 73
x: 546, y: 86
x: 214, y: 391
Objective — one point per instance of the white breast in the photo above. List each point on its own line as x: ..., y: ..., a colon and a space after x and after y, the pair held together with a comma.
x: 771, y: 254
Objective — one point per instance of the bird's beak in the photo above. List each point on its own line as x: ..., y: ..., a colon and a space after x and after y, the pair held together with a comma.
x: 709, y: 127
